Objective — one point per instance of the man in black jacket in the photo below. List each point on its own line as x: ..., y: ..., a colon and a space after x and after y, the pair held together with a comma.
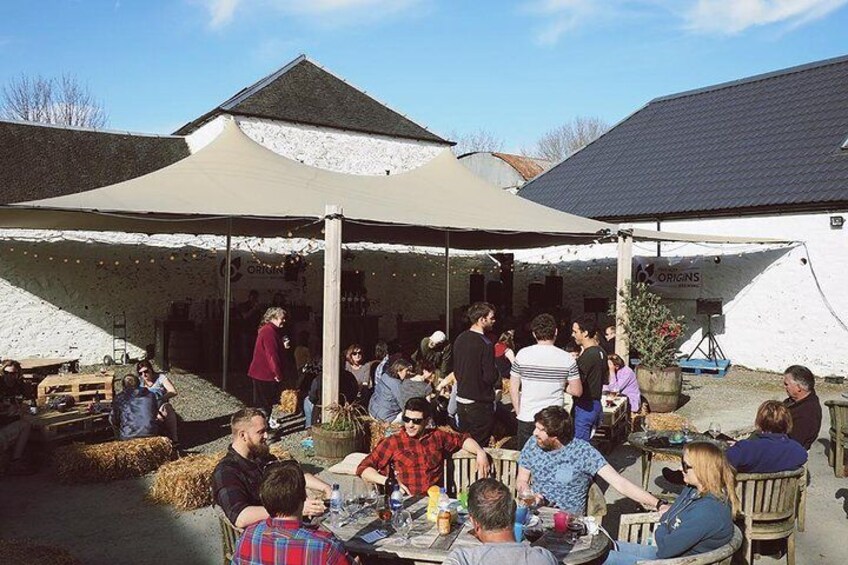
x: 134, y: 411
x: 803, y: 404
x: 476, y: 376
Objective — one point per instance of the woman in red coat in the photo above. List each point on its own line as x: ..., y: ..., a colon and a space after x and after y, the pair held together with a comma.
x: 267, y: 369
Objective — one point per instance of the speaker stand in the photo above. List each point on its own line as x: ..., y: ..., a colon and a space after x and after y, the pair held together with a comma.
x: 713, y: 352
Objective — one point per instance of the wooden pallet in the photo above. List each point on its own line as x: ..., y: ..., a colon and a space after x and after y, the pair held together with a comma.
x: 717, y: 368
x: 83, y: 388
x: 52, y: 426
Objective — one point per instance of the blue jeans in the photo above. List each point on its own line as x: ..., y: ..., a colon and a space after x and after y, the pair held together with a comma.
x: 629, y: 553
x: 307, y: 412
x: 587, y: 414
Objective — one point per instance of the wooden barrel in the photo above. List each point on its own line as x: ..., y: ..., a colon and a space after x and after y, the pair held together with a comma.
x: 660, y: 387
x: 334, y: 445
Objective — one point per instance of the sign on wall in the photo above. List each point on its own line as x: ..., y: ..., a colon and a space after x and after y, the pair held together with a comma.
x: 669, y: 280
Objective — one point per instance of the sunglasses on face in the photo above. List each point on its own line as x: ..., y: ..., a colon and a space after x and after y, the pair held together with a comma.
x: 416, y: 421
x: 356, y: 353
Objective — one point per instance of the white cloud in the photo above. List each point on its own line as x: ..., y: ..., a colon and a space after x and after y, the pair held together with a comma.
x: 222, y: 12
x: 702, y: 16
x: 735, y: 16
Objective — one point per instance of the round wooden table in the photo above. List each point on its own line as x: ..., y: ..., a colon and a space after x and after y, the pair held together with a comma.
x: 639, y: 440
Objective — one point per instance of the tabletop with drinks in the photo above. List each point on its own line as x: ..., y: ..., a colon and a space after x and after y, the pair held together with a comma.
x: 425, y: 529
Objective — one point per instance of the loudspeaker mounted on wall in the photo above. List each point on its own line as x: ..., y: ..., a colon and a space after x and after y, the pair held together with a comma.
x: 476, y: 288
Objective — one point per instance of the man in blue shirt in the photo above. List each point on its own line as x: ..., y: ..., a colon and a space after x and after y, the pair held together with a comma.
x: 562, y: 467
x: 134, y: 411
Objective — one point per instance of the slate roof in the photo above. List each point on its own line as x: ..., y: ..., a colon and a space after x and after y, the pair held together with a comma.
x: 303, y: 92
x: 40, y: 161
x: 772, y: 142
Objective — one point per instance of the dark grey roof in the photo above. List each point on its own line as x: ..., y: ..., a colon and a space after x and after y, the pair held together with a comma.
x: 306, y: 93
x: 767, y: 143
x: 39, y: 161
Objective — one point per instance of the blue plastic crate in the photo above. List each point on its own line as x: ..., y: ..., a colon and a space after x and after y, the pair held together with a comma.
x: 717, y: 368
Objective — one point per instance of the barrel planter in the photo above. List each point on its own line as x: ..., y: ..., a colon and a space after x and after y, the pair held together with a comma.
x: 334, y: 445
x: 660, y: 387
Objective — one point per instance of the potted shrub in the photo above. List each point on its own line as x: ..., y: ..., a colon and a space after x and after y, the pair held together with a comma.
x: 341, y: 434
x: 654, y: 332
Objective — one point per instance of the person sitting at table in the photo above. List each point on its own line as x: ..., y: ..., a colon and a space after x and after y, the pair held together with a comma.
x: 803, y: 404
x: 14, y: 430
x: 237, y: 477
x: 622, y: 380
x: 283, y: 538
x: 768, y: 450
x: 160, y: 385
x: 563, y: 467
x: 701, y: 518
x: 491, y: 510
x: 417, y: 452
x: 134, y: 411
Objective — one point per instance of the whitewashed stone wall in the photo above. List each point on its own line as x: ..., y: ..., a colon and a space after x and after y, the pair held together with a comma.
x: 327, y: 148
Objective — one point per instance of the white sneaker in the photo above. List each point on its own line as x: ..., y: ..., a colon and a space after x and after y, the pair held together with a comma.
x: 273, y: 424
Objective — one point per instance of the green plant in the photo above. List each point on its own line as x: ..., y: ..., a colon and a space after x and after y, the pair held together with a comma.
x: 653, y: 330
x: 345, y: 418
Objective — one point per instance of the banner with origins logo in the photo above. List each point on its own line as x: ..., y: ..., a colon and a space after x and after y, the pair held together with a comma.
x: 676, y: 280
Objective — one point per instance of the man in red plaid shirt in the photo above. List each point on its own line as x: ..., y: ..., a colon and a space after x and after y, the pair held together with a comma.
x: 417, y: 452
x: 283, y: 539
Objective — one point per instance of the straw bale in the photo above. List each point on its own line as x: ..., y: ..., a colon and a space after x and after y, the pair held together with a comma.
x: 186, y: 484
x: 505, y: 387
x: 378, y: 430
x: 25, y: 552
x: 115, y: 460
x: 288, y: 401
x: 669, y: 422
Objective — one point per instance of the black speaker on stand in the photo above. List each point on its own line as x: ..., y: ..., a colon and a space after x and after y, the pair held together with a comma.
x: 709, y: 307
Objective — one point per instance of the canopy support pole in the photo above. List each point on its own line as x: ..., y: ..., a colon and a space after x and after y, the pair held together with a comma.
x: 447, y: 286
x: 622, y: 289
x: 225, y: 355
x: 331, y: 352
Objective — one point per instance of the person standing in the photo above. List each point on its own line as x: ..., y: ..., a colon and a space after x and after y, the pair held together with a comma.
x: 268, y: 367
x: 539, y: 376
x: 476, y: 376
x: 803, y: 404
x: 436, y: 350
x: 593, y: 367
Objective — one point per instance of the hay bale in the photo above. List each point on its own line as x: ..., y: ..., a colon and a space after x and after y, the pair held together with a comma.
x: 115, y: 460
x: 377, y: 430
x: 669, y: 422
x: 186, y: 484
x: 26, y: 552
x: 505, y: 387
x: 289, y: 401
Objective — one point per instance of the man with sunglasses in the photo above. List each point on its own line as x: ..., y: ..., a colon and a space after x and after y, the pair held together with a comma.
x: 417, y: 452
x: 237, y: 478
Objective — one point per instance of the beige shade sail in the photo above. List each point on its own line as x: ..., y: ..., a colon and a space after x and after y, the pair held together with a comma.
x: 267, y: 194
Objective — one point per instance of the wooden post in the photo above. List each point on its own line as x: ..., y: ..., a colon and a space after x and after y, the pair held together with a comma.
x: 625, y: 260
x: 225, y: 346
x: 331, y: 350
x: 448, y: 317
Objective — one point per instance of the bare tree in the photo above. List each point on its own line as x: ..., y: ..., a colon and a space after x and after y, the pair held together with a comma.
x: 62, y: 101
x: 479, y: 140
x: 560, y: 142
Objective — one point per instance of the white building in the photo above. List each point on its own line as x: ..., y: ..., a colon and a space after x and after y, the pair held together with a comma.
x: 764, y: 156
x: 504, y: 170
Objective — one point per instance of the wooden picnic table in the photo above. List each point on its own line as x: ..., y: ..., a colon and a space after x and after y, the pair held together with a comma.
x: 426, y: 546
x: 639, y: 440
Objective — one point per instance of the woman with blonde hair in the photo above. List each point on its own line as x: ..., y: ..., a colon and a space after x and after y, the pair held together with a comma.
x: 701, y: 518
x: 268, y: 368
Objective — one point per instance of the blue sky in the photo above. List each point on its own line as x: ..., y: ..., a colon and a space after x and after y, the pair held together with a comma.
x: 516, y: 68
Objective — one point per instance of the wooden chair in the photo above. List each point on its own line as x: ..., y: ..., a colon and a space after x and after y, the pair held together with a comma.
x: 634, y: 528
x: 769, y: 507
x: 838, y: 435
x: 229, y: 535
x: 461, y: 470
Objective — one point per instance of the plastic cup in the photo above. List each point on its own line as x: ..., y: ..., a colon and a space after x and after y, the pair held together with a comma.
x: 561, y: 521
x: 521, y: 513
x: 518, y: 531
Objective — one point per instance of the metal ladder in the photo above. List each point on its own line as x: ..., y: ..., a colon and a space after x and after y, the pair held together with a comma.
x: 119, y: 338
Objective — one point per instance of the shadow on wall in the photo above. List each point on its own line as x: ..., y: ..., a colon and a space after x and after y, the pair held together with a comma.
x: 59, y: 294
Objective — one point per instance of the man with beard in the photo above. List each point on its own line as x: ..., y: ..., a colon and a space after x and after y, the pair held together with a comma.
x: 237, y: 478
x: 563, y: 467
x: 476, y: 376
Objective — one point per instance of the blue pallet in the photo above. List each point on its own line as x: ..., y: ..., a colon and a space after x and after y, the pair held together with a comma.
x: 717, y: 368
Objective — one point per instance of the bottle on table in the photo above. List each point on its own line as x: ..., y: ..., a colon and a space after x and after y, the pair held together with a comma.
x: 335, y: 505
x: 396, y: 500
x: 443, y: 522
x: 433, y: 503
x: 390, y: 484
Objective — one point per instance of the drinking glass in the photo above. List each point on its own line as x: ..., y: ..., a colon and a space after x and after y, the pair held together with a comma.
x: 352, y: 505
x: 402, y: 523
x: 646, y: 427
x: 715, y: 429
x: 685, y: 429
x: 527, y: 497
